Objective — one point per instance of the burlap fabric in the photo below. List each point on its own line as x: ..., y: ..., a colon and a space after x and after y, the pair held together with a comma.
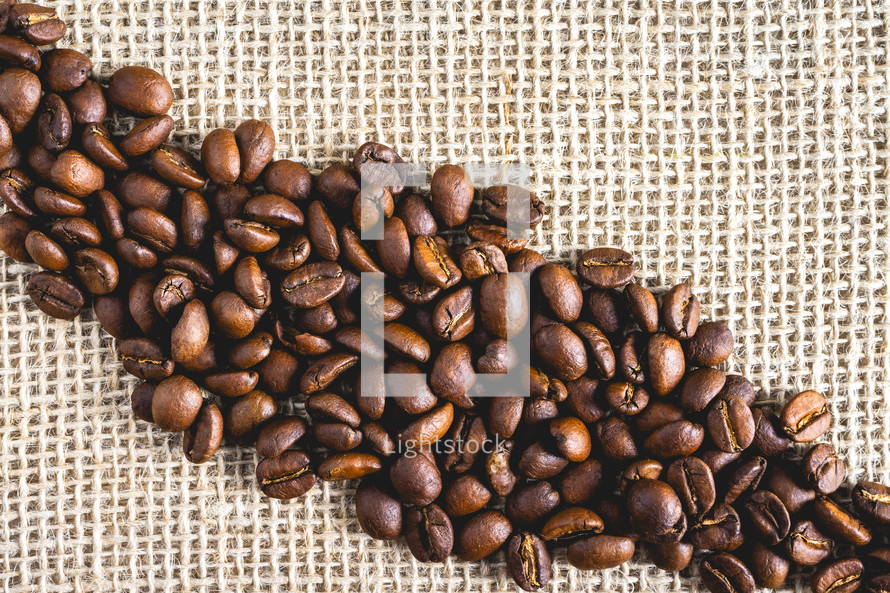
x: 740, y: 145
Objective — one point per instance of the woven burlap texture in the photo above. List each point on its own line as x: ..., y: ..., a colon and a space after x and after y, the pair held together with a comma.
x: 739, y: 145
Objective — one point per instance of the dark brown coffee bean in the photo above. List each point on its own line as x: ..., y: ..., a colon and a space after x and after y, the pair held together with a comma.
x: 581, y: 482
x: 677, y: 439
x: 394, y: 250
x: 76, y: 232
x: 58, y: 204
x: 465, y: 495
x: 195, y: 220
x: 145, y: 359
x: 40, y: 25
x: 452, y: 192
x: 744, y: 479
x: 626, y: 398
x: 176, y: 403
x: 601, y: 552
x: 252, y: 283
x: 454, y: 315
x: 495, y: 201
x: 711, y: 345
x: 135, y: 254
x: 638, y: 470
x: 140, y: 400
x: 692, y: 480
x: 482, y: 535
x: 313, y: 284
x: 45, y: 252
x: 288, y: 255
x: 13, y: 232
x: 836, y: 521
x: 337, y: 436
x: 561, y: 292
x: 769, y: 568
x: 155, y: 229
x: 724, y: 573
x: 372, y: 205
x: 606, y: 267
x: 571, y: 438
x: 146, y: 136
x: 504, y: 309
x: 191, y: 334
x: 642, y: 306
x: 331, y: 407
x: 53, y: 124
x: 141, y: 303
x: 769, y: 436
x: 20, y: 92
x: 279, y: 372
x: 407, y: 342
x: 338, y: 186
x: 219, y: 153
x: 256, y: 146
x: 656, y: 415
x: 224, y: 253
x: 806, y: 545
x: 878, y: 584
x: 250, y: 235
x: 55, y: 295
x: 228, y: 200
x: 231, y: 383
x: 289, y: 179
x: 251, y: 351
x: 325, y: 370
x: 481, y: 259
x: 530, y: 503
x: 416, y: 479
x: 680, y: 312
x: 700, y: 388
x: 274, y: 211
x: 233, y: 317
x: 526, y: 261
x: 16, y: 191
x: 429, y: 533
x: 178, y: 167
x: 672, y: 557
x: 429, y: 428
x: 731, y: 425
x: 322, y: 232
x: 18, y: 53
x: 806, y: 417
x: 615, y: 439
x: 379, y: 513
x: 769, y: 517
x: 356, y: 253
x: 384, y: 168
x: 839, y: 576
x: 201, y: 441
x: 562, y: 350
x: 98, y: 145
x: 740, y: 387
x: 96, y: 270
x: 666, y: 364
x: 528, y: 561
x: 872, y: 500
x: 112, y: 312
x: 824, y: 469
x: 606, y: 310
x: 537, y: 463
x: 138, y: 190
x: 570, y: 524
x: 171, y: 294
x: 87, y: 104
x: 141, y: 91
x: 415, y: 212
x: 720, y: 529
x: 499, y: 358
x: 716, y: 459
x: 204, y: 363
x: 655, y: 511
x: 546, y: 387
x: 434, y: 263
x: 453, y: 376
x: 782, y: 480
x: 379, y: 439
x: 348, y: 466
x: 65, y: 69
x: 248, y: 415
x: 498, y: 236
x: 287, y: 476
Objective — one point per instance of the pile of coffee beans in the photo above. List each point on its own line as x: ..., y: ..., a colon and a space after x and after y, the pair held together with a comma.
x: 232, y: 282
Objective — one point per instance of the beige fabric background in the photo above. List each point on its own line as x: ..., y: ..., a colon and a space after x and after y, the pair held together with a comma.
x: 741, y: 145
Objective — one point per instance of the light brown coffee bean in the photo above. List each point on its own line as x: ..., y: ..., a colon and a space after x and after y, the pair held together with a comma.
x: 141, y: 91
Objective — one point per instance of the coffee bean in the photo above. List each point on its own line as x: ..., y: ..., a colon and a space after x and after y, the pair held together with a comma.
x: 372, y: 205
x: 453, y: 376
x: 14, y: 231
x: 287, y: 476
x: 233, y: 317
x: 673, y: 557
x: 677, y: 439
x: 626, y: 398
x: 769, y: 568
x: 806, y: 545
x: 482, y: 535
x: 141, y: 91
x: 138, y: 190
x: 331, y: 407
x: 648, y: 469
x: 433, y: 262
x: 379, y: 513
x: 322, y: 232
x: 600, y: 552
x: 280, y: 435
x: 146, y: 136
x: 140, y: 400
x: 338, y: 186
x: 176, y: 403
x: 18, y: 53
x: 581, y: 482
x: 145, y: 359
x: 55, y: 295
x: 279, y: 372
x: 65, y: 69
x: 738, y: 386
x: 504, y: 309
x: 528, y: 561
x: 872, y: 500
x: 58, y: 204
x: 731, y: 425
x: 348, y: 466
x: 655, y: 511
x: 562, y: 350
x: 769, y: 517
x: 429, y: 428
x: 45, y: 252
x: 499, y: 358
x: 656, y: 415
x: 98, y: 145
x: 19, y: 97
x: 823, y: 468
x: 429, y: 533
x: 112, y: 312
x: 231, y: 383
x: 176, y: 166
x: 96, y: 270
x: 666, y: 365
x: 782, y: 481
x: 155, y: 229
x: 642, y: 306
x: 498, y: 236
x: 700, y: 388
x: 171, y: 294
x: 87, y: 104
x: 680, y: 312
x: 248, y: 415
x: 571, y: 438
x: 203, y: 438
x: 692, y: 480
x: 495, y: 200
x: 53, y: 123
x: 406, y: 341
x: 313, y: 284
x: 806, y: 417
x: 135, y: 254
x: 571, y: 524
x: 878, y: 584
x: 481, y: 259
x: 416, y: 479
x: 744, y: 479
x: 615, y: 439
x: 289, y: 179
x: 716, y: 459
x: 38, y: 24
x: 606, y: 267
x: 336, y: 436
x: 530, y: 503
x: 379, y: 439
x: 256, y: 147
x: 251, y: 351
x: 325, y: 370
x: 526, y: 261
x: 769, y: 436
x: 452, y: 192
x: 839, y: 576
x: 465, y: 495
x: 711, y: 345
x: 274, y: 211
x: 724, y: 573
x: 16, y: 191
x: 561, y: 292
x: 837, y: 522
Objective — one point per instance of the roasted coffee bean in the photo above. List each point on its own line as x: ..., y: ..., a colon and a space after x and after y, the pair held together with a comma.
x: 379, y: 439
x: 331, y: 407
x: 731, y: 425
x: 615, y: 439
x: 14, y: 231
x: 711, y: 345
x: 769, y: 436
x: 433, y: 262
x: 429, y: 428
x: 769, y: 568
x: 453, y: 376
x: 724, y: 573
x: 666, y: 364
x: 325, y: 370
x: 601, y: 552
x: 191, y: 334
x: 248, y: 415
x: 252, y: 283
x: 837, y: 522
x: 530, y: 503
x: 250, y: 235
x: 719, y: 530
x: 429, y: 533
x: 287, y: 476
x: 178, y: 167
x: 279, y: 372
x: 738, y: 386
x: 561, y: 349
x: 452, y: 192
x: 171, y: 295
x: 338, y: 185
x: 626, y: 398
x: 528, y: 561
x: 546, y: 387
x: 599, y: 352
x: 53, y: 124
x: 141, y: 91
x: 40, y: 25
x: 744, y: 479
x: 655, y: 511
x: 482, y: 535
x: 224, y: 253
x: 716, y: 459
x: 196, y: 271
x: 96, y: 270
x: 231, y: 383
x: 677, y: 439
x: 45, y: 252
x: 537, y: 463
x: 415, y: 211
x: 372, y: 205
x: 806, y: 416
x: 655, y: 415
x: 97, y: 143
x: 407, y: 342
x: 526, y: 261
x: 140, y: 299
x: 153, y: 228
x: 465, y: 495
x: 146, y: 136
x: 377, y: 164
x: 280, y: 435
x: 571, y: 524
x: 229, y: 200
x: 806, y: 545
x: 19, y: 97
x: 581, y: 482
x: 640, y: 469
x: 454, y: 315
x: 496, y: 200
x: 176, y: 403
x: 872, y: 500
x: 135, y: 254
x: 145, y: 359
x: 203, y: 438
x: 256, y: 147
x: 416, y: 479
x: 16, y: 191
x: 700, y: 388
x: 65, y: 69
x: 839, y: 576
x: 289, y: 179
x: 498, y: 236
x: 322, y: 232
x: 673, y: 557
x: 692, y: 480
x: 394, y: 250
x: 337, y: 436
x: 233, y: 317
x: 348, y: 466
x: 481, y: 259
x: 606, y: 267
x: 251, y: 351
x: 356, y: 253
x: 140, y: 400
x: 561, y: 292
x: 769, y: 517
x: 631, y: 359
x: 58, y: 204
x: 504, y: 308
x: 40, y: 159
x: 55, y: 295
x: 87, y: 104
x: 313, y: 284
x: 195, y: 220
x: 782, y: 481
x: 138, y: 190
x: 571, y: 438
x: 274, y: 211
x: 539, y: 411
x: 642, y: 306
x: 680, y: 312
x: 824, y: 469
x: 288, y: 255
x: 113, y: 313
x: 18, y: 53
x: 499, y: 358
x: 378, y: 512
